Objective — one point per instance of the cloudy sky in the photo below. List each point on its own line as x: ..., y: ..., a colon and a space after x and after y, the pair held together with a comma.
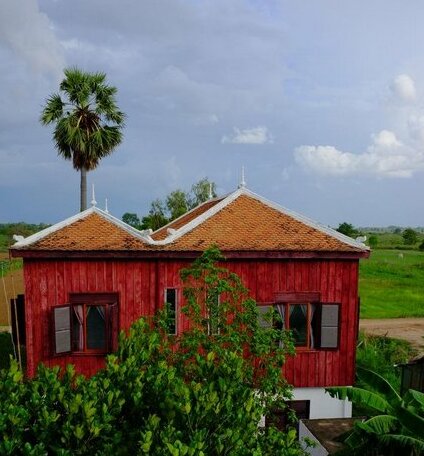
x: 322, y: 102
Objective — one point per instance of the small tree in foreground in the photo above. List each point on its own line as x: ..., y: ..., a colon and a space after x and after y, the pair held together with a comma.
x: 199, y: 393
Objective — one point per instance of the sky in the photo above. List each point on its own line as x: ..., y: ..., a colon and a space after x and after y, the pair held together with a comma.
x: 322, y: 103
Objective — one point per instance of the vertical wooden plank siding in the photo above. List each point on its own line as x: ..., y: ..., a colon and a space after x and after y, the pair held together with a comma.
x: 140, y: 285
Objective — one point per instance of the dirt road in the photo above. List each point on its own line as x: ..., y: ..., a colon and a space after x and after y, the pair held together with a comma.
x: 409, y: 329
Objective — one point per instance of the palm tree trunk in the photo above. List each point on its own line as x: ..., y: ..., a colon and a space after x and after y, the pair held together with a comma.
x: 83, y: 190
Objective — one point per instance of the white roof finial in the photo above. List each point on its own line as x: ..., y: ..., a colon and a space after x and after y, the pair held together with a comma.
x: 106, y: 209
x: 93, y: 196
x: 210, y: 196
x: 243, y: 180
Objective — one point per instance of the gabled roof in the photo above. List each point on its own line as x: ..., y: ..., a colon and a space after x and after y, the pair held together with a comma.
x: 245, y: 221
x: 90, y: 230
x: 240, y: 222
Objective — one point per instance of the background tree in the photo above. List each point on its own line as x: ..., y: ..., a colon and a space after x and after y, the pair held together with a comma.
x: 131, y: 219
x: 348, y: 229
x: 156, y: 217
x: 409, y: 236
x: 200, y: 192
x: 373, y: 241
x: 87, y: 121
x: 177, y: 203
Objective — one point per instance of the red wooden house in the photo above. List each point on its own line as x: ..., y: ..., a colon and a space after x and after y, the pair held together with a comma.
x: 92, y: 275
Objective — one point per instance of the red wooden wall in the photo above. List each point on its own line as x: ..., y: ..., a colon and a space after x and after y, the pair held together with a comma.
x: 141, y: 283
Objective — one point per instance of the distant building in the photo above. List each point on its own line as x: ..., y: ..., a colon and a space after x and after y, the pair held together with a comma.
x: 412, y: 376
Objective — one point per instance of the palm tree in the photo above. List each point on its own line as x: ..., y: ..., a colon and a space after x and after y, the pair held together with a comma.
x: 397, y: 424
x: 87, y: 121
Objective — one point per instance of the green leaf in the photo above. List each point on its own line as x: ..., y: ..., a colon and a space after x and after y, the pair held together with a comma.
x: 360, y: 396
x: 411, y: 421
x: 379, y: 384
x: 403, y: 441
x: 416, y: 397
x: 382, y: 424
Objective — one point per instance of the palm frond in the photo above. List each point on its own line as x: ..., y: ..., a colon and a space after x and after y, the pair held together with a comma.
x: 53, y: 110
x: 361, y: 396
x: 76, y: 86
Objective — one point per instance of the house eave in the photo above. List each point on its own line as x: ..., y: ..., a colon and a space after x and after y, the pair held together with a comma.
x: 152, y: 254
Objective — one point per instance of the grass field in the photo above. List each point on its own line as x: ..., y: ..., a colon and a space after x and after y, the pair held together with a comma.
x: 391, y: 284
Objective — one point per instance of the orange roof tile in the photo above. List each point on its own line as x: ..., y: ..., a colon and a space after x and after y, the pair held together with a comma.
x: 247, y: 224
x: 92, y: 232
x: 176, y: 224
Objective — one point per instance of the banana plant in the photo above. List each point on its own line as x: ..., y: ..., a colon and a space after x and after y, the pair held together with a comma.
x: 397, y: 424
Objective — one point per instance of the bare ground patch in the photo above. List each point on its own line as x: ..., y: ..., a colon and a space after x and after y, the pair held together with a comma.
x: 409, y: 329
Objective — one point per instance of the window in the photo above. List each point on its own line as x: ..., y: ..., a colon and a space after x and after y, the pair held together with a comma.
x: 313, y: 325
x: 88, y: 324
x: 171, y: 302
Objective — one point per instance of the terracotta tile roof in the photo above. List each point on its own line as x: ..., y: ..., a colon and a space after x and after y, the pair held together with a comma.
x: 242, y: 221
x: 162, y: 233
x: 92, y: 232
x: 247, y: 224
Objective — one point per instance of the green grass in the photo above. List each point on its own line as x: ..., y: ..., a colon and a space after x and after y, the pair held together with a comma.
x: 380, y: 354
x: 7, y: 265
x: 391, y: 286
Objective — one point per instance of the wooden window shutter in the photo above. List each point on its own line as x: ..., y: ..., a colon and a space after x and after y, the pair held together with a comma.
x: 330, y: 325
x: 113, y: 327
x: 62, y: 329
x: 263, y: 321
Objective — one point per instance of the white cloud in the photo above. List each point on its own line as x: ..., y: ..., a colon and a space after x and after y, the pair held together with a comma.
x: 256, y: 135
x: 403, y: 89
x: 29, y: 33
x: 385, y: 157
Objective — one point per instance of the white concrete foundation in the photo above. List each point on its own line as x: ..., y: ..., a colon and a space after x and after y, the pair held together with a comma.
x: 322, y: 405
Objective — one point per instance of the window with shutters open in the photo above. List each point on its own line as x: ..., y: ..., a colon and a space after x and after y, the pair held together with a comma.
x: 313, y: 325
x: 87, y: 325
